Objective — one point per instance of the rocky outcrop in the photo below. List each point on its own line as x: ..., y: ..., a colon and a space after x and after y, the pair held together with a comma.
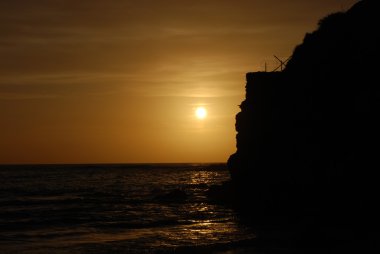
x: 308, y: 137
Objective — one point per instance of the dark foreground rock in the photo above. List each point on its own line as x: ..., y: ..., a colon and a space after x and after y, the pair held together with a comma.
x: 308, y: 137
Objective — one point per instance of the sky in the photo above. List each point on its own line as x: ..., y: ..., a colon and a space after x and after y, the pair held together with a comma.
x: 118, y: 81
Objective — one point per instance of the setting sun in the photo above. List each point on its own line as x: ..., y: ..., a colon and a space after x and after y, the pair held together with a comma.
x: 201, y: 113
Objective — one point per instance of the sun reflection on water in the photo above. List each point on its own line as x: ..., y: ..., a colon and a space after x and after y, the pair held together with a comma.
x: 125, y: 209
x: 199, y: 221
x: 204, y: 177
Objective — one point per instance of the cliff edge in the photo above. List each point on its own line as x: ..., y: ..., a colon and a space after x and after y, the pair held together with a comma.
x: 308, y: 137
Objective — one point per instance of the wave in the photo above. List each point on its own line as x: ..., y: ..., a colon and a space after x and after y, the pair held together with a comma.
x: 240, y: 246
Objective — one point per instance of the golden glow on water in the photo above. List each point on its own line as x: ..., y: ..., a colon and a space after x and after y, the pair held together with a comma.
x: 207, y: 229
x: 203, y: 177
x: 148, y: 224
x: 197, y: 232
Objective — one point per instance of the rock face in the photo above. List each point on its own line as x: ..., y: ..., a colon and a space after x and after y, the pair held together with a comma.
x: 308, y: 137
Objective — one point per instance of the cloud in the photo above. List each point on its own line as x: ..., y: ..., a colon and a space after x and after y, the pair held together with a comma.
x: 150, y: 48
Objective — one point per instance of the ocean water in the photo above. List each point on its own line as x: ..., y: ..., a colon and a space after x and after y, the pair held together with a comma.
x: 129, y: 208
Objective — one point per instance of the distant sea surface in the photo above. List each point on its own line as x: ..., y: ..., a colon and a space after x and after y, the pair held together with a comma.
x: 124, y: 208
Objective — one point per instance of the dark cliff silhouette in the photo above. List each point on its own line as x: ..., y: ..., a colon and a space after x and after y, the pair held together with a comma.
x: 308, y: 137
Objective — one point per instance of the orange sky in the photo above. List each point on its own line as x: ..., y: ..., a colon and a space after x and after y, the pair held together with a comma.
x: 96, y: 81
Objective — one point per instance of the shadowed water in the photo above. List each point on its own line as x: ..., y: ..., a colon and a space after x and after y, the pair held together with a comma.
x: 119, y: 208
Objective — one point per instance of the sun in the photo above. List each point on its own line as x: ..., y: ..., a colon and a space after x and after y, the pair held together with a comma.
x: 200, y: 112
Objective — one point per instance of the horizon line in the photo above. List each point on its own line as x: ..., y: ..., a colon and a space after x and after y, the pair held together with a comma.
x: 107, y: 163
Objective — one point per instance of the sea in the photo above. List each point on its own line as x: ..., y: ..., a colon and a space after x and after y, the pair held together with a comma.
x: 115, y: 208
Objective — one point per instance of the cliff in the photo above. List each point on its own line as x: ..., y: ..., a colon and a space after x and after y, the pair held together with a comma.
x: 308, y: 137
